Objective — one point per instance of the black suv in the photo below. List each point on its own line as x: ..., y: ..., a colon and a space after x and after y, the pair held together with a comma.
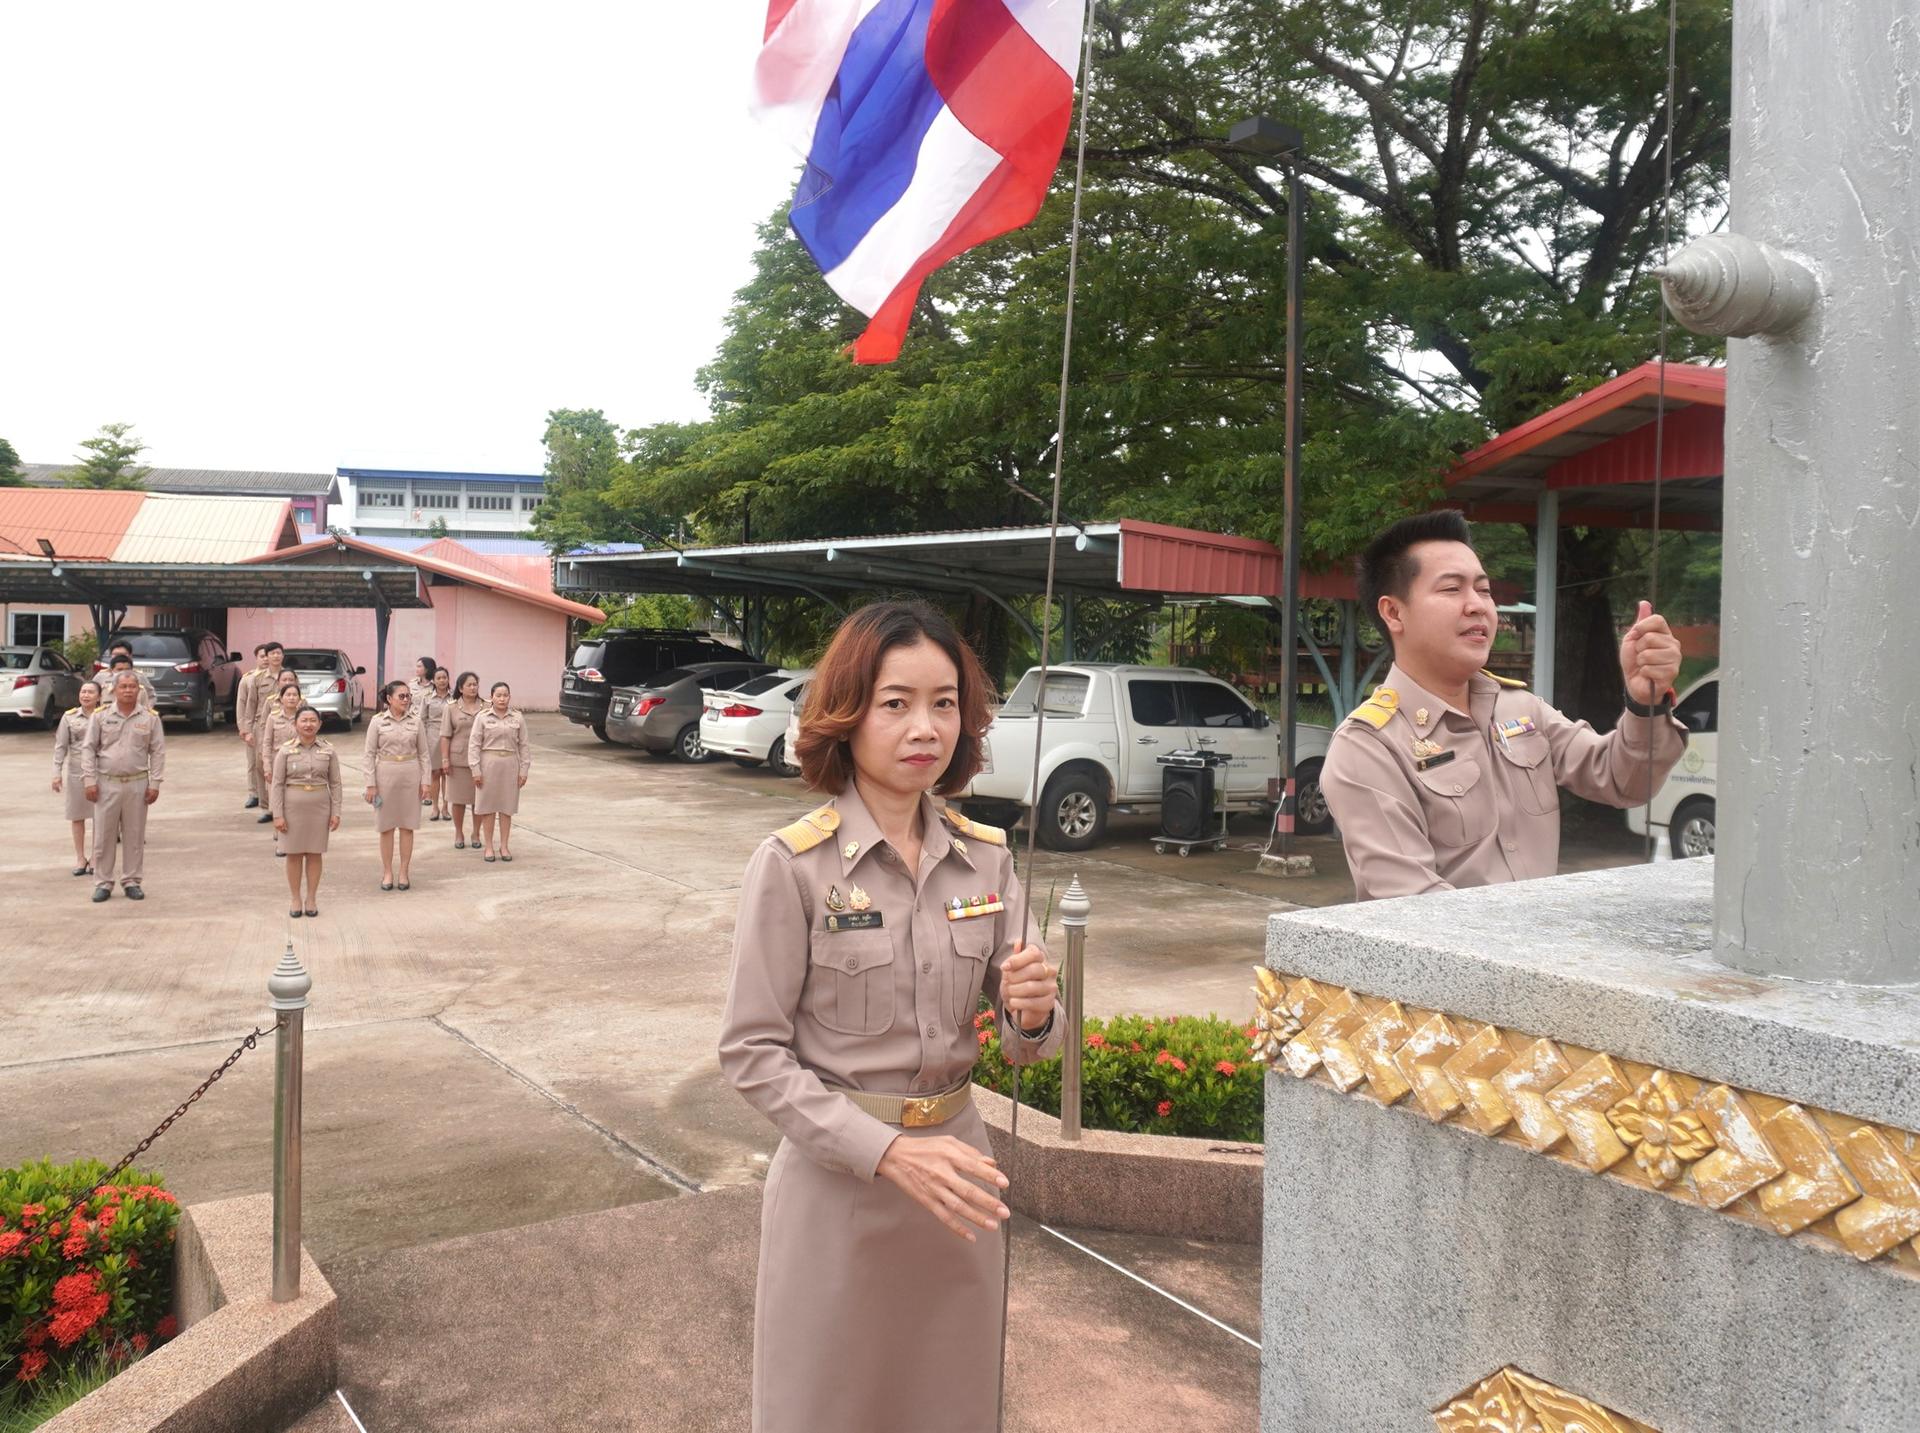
x: 629, y: 657
x: 192, y: 672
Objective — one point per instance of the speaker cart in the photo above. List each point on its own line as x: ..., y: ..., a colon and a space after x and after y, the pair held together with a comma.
x: 1187, y: 801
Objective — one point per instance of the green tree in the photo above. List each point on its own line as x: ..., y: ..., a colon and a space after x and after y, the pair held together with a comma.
x: 110, y: 460
x: 437, y: 528
x: 10, y: 474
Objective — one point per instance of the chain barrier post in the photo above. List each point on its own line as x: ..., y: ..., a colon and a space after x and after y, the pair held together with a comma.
x: 1074, y: 910
x: 287, y: 987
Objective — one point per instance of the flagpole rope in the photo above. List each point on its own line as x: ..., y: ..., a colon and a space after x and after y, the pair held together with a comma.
x: 1660, y: 396
x: 1046, y: 662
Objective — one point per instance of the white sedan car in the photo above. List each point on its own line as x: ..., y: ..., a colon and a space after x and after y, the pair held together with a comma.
x: 1684, y: 804
x: 749, y: 723
x: 37, y: 684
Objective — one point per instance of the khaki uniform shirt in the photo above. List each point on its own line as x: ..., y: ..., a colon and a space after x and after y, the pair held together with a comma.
x: 266, y: 686
x: 391, y: 740
x: 108, y: 679
x: 1429, y: 797
x: 119, y: 745
x: 456, y: 730
x: 276, y: 730
x: 297, y: 765
x: 69, y: 740
x: 243, y: 697
x: 496, y: 733
x: 880, y: 1000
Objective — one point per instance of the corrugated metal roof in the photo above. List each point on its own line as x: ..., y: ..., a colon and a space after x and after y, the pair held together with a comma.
x: 458, y: 572
x: 215, y: 481
x: 81, y: 523
x: 175, y: 527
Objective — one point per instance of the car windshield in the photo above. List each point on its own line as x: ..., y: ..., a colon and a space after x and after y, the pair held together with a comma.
x: 758, y: 685
x: 1066, y: 694
x: 16, y: 661
x: 313, y: 661
x: 157, y: 646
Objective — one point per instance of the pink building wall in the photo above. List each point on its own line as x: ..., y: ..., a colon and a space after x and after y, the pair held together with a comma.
x: 467, y: 629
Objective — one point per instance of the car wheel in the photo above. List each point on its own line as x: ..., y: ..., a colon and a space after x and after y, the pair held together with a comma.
x: 1310, y: 814
x: 777, y: 759
x: 50, y: 718
x: 600, y: 730
x: 687, y: 746
x: 1692, y: 829
x: 747, y: 761
x: 204, y: 719
x: 1073, y: 812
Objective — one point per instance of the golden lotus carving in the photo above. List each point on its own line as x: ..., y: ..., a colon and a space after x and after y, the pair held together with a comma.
x: 1513, y: 1402
x: 1799, y: 1172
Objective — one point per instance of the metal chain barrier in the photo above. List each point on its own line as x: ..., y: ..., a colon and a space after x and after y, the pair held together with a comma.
x: 75, y: 1201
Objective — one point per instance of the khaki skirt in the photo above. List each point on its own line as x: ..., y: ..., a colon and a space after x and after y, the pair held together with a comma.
x: 399, y: 787
x: 869, y: 1313
x: 459, y: 786
x: 306, y: 815
x: 501, y: 795
x: 73, y: 790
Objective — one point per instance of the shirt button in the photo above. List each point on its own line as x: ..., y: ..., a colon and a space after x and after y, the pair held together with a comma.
x: 1513, y: 845
x: 926, y: 967
x: 853, y: 962
x: 933, y: 1032
x: 1458, y: 788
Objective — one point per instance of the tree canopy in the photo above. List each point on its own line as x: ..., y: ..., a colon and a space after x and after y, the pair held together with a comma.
x: 1485, y: 182
x: 11, y: 475
x: 109, y: 461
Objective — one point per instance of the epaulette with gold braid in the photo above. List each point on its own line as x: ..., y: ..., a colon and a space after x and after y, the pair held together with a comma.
x: 1504, y: 681
x: 979, y: 830
x: 1377, y: 710
x: 810, y: 830
x: 290, y: 744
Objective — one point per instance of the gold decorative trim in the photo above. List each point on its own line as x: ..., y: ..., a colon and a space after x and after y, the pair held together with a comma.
x: 1513, y: 1402
x: 1799, y: 1172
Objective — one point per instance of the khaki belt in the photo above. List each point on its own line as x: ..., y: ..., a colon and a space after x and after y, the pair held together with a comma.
x: 306, y: 785
x: 128, y: 776
x: 399, y: 758
x: 908, y: 1111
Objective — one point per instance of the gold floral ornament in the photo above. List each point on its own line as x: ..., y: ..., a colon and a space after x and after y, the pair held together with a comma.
x: 1513, y: 1402
x: 1655, y: 1123
x: 1273, y: 1023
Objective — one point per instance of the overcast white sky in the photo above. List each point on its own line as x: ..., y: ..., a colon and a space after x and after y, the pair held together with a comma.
x: 395, y: 234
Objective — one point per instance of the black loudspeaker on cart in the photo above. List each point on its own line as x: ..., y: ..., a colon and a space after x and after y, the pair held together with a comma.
x: 1188, y: 801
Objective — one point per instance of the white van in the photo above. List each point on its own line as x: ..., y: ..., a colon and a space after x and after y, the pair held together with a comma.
x: 1684, y: 805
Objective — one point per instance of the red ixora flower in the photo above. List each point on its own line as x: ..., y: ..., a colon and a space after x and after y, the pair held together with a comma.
x: 1164, y: 1108
x: 71, y: 1323
x: 985, y: 1035
x: 72, y: 1289
x: 1134, y: 1046
x: 167, y: 1327
x: 28, y: 1212
x: 1163, y: 1058
x: 1227, y: 1067
x: 10, y: 1241
x: 75, y: 1246
x: 31, y: 1362
x: 139, y: 1343
x: 1096, y: 1040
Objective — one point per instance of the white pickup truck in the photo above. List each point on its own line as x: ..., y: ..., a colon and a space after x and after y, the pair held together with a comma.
x: 1106, y: 724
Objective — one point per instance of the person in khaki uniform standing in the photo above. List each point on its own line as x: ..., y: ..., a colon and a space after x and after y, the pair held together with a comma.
x: 123, y: 761
x: 265, y: 689
x: 276, y: 730
x: 243, y: 700
x: 1449, y: 776
x: 304, y: 793
x: 397, y: 763
x: 68, y: 779
x: 500, y: 756
x: 868, y: 932
x: 456, y: 732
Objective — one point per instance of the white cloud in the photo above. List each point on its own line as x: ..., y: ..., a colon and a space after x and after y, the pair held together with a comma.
x: 368, y: 234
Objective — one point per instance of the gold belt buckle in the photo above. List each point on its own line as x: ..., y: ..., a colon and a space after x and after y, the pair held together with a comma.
x: 919, y: 1114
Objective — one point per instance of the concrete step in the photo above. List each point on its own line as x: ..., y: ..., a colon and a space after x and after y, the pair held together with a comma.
x: 326, y: 1416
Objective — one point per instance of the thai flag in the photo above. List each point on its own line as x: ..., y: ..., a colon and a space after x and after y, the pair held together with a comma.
x: 928, y: 126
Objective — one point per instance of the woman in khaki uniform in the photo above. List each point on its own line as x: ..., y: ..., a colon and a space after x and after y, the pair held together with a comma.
x: 275, y: 732
x: 501, y: 758
x: 868, y: 932
x: 304, y: 795
x: 397, y: 763
x: 68, y: 738
x: 432, y: 709
x: 456, y: 731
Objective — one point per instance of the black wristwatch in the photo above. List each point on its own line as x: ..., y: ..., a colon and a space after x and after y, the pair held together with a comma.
x: 1641, y: 709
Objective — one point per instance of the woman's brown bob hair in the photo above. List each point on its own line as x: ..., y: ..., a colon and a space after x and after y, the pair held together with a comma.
x: 841, y: 690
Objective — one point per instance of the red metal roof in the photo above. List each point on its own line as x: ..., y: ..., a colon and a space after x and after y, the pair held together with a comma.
x: 473, y: 576
x: 85, y: 524
x: 1597, y: 451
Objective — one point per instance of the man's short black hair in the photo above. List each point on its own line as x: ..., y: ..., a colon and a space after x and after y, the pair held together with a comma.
x: 266, y: 647
x: 1387, y: 569
x: 118, y: 655
x: 259, y: 649
x: 120, y: 644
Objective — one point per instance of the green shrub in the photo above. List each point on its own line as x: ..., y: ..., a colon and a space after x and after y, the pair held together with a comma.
x: 25, y: 1406
x: 1187, y: 1075
x: 91, y: 1280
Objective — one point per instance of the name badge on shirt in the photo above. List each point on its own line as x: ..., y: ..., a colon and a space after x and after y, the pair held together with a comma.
x: 1427, y: 763
x: 855, y: 920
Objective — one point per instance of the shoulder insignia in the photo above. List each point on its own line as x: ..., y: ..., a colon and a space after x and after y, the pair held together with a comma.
x: 979, y: 830
x: 1377, y: 710
x: 290, y: 744
x: 810, y: 830
x: 1504, y: 681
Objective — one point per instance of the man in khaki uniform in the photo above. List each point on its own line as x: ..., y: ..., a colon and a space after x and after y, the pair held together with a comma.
x: 1449, y: 776
x: 122, y: 761
x: 253, y: 717
x: 242, y: 705
x: 122, y: 661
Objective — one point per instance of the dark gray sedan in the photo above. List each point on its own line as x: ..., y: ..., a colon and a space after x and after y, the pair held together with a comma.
x: 662, y: 718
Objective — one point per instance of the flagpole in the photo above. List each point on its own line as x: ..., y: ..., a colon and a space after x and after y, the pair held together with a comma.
x: 1046, y: 660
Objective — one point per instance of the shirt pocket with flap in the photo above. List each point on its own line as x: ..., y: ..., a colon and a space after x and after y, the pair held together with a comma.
x: 850, y: 981
x: 1539, y: 793
x: 973, y: 943
x: 1458, y: 804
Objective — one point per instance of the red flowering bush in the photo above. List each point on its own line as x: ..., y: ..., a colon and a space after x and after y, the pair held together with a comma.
x: 1188, y: 1074
x: 87, y: 1278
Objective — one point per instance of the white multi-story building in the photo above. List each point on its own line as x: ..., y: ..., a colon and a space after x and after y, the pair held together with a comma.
x: 399, y: 502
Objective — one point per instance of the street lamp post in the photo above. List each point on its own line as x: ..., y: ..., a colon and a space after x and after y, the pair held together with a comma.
x: 1274, y: 142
